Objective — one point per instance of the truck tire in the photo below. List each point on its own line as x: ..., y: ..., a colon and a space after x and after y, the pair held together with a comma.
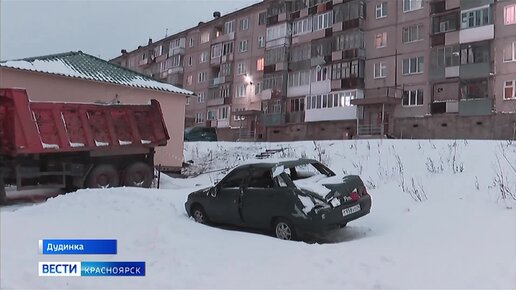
x: 138, y: 174
x: 103, y: 176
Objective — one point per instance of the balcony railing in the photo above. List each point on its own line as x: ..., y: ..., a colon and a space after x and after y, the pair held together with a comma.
x: 370, y: 130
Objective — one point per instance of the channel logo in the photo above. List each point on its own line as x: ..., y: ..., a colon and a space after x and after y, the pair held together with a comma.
x: 61, y: 269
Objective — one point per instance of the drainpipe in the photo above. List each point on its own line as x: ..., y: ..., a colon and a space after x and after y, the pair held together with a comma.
x: 382, y: 130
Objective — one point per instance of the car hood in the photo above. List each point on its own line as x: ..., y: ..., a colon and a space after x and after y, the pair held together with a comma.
x: 330, y: 187
x: 199, y: 193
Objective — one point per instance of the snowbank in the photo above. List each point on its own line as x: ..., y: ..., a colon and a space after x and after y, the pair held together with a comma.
x: 438, y: 221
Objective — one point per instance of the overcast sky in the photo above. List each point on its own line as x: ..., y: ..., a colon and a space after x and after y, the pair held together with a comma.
x: 98, y: 27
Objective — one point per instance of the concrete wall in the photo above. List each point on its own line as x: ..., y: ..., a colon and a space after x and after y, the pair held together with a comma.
x: 335, y: 130
x: 499, y: 126
x: 47, y: 87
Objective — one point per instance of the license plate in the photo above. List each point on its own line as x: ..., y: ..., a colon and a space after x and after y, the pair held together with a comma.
x: 350, y: 210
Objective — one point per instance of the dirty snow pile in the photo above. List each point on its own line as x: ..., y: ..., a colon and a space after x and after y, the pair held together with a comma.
x: 443, y: 216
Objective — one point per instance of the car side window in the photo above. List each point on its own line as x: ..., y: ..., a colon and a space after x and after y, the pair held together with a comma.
x: 261, y: 178
x: 236, y: 179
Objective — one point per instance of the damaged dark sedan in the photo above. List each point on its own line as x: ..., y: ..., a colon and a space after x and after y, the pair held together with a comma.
x: 294, y: 199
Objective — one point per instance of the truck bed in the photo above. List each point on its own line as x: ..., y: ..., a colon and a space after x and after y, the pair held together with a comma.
x: 40, y: 127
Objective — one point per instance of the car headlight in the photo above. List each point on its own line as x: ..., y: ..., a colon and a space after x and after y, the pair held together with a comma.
x: 335, y: 202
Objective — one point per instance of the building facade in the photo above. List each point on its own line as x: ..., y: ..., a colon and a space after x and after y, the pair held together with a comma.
x: 319, y: 69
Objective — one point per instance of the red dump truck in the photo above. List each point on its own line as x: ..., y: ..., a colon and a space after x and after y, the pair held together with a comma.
x: 75, y: 145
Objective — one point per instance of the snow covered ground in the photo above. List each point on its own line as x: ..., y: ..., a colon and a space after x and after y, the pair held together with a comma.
x: 440, y: 219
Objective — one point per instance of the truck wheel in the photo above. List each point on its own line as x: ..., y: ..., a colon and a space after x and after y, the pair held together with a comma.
x: 103, y: 176
x: 138, y: 174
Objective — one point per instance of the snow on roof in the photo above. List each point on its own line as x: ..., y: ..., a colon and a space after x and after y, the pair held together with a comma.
x: 85, y: 66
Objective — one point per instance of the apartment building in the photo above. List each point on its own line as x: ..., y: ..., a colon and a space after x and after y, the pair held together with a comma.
x: 319, y: 69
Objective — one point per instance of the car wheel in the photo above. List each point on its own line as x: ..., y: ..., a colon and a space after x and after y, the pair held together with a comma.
x: 199, y: 215
x: 284, y: 230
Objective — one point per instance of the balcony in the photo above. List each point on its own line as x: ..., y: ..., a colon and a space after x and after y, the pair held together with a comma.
x: 475, y: 70
x: 349, y: 24
x: 451, y: 71
x: 347, y: 83
x: 347, y: 54
x: 283, y: 41
x: 215, y: 82
x: 215, y: 61
x: 227, y: 58
x: 218, y: 101
x: 476, y: 107
x: 177, y: 69
x: 224, y: 38
x: 273, y: 119
x: 177, y: 50
x: 295, y: 117
x: 480, y: 33
x: 444, y: 107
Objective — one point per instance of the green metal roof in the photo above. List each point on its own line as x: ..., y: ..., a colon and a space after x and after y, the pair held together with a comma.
x: 85, y: 66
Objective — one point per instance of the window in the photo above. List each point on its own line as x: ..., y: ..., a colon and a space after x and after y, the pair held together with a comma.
x: 190, y: 61
x: 348, y: 40
x: 474, y: 89
x: 509, y: 52
x: 331, y: 100
x: 227, y: 48
x: 380, y: 70
x: 201, y: 77
x: 205, y: 37
x: 321, y: 74
x: 216, y: 50
x: 199, y: 118
x: 299, y: 78
x: 229, y: 27
x: 475, y: 53
x: 191, y: 42
x: 241, y: 90
x: 188, y: 100
x: 509, y: 14
x: 297, y: 105
x: 212, y: 115
x: 300, y: 53
x: 201, y: 97
x: 261, y: 41
x: 261, y: 178
x: 381, y: 40
x: 225, y: 69
x: 205, y: 55
x: 189, y: 80
x: 262, y: 18
x: 509, y: 89
x: 323, y: 21
x: 413, y: 98
x: 223, y: 113
x: 277, y: 31
x: 241, y: 68
x: 413, y: 65
x: 475, y: 18
x: 259, y: 64
x: 302, y: 26
x: 224, y: 91
x: 244, y: 24
x: 446, y: 56
x: 410, y: 5
x: 444, y: 23
x: 412, y: 33
x: 348, y: 69
x: 381, y: 10
x: 243, y: 45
